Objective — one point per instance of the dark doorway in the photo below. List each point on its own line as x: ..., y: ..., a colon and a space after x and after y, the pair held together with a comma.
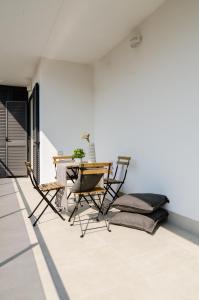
x: 13, y: 131
x: 34, y: 140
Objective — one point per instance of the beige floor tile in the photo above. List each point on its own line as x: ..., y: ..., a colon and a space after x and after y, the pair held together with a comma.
x: 124, y: 264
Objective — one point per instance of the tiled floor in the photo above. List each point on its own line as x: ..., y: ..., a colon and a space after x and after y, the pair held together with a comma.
x: 58, y: 264
x: 18, y: 270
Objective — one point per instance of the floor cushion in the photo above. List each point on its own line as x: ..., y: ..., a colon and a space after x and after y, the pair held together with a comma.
x: 140, y: 203
x: 146, y: 222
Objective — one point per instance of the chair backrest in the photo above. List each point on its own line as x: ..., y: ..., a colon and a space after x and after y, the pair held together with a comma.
x: 95, y: 168
x: 59, y: 158
x: 65, y: 158
x: 31, y: 174
x: 124, y: 162
x: 89, y: 176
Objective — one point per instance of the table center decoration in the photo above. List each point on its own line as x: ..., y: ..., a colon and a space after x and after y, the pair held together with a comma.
x: 78, y: 154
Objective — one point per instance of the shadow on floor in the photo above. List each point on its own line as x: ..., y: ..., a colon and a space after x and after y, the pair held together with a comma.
x: 17, y: 255
x: 58, y: 283
x: 4, y: 195
x: 12, y: 213
x: 9, y: 182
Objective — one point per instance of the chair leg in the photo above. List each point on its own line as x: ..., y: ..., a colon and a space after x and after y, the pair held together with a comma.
x: 108, y: 226
x: 70, y: 177
x: 117, y: 192
x: 37, y: 206
x: 69, y: 195
x: 86, y: 200
x: 99, y: 199
x: 76, y: 209
x: 72, y: 213
x: 96, y: 205
x: 76, y: 206
x: 37, y: 219
x: 82, y: 231
x: 51, y: 206
x: 103, y: 214
x: 108, y: 187
x: 101, y: 207
x: 112, y: 193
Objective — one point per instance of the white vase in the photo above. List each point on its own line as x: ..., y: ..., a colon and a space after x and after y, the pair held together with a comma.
x: 91, y: 153
x: 78, y: 160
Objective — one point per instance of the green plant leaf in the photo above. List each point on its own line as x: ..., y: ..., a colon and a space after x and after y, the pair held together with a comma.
x: 78, y: 153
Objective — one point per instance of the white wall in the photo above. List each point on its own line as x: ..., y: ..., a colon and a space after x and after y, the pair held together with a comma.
x: 66, y: 110
x: 147, y: 106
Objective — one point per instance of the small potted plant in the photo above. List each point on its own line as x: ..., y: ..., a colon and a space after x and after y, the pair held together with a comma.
x: 78, y: 154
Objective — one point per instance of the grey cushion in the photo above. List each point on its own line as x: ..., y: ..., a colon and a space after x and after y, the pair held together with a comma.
x: 140, y: 203
x: 146, y: 222
x: 86, y: 183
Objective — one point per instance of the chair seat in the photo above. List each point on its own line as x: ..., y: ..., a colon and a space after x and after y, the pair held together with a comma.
x: 50, y: 186
x: 96, y: 190
x: 112, y: 181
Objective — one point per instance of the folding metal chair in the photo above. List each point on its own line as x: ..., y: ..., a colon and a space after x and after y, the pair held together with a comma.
x: 72, y: 173
x: 86, y: 188
x: 119, y: 177
x: 43, y: 190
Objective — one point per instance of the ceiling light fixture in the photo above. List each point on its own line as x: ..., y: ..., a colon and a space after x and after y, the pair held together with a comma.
x: 136, y: 40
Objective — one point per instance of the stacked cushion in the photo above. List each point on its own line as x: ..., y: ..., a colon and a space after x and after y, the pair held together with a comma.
x: 140, y: 203
x: 146, y: 222
x: 140, y: 211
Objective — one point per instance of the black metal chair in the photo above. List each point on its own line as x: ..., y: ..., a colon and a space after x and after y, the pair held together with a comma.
x: 118, y: 179
x: 86, y: 188
x: 43, y: 190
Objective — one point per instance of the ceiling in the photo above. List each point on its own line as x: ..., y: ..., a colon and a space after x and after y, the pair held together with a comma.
x: 72, y: 30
